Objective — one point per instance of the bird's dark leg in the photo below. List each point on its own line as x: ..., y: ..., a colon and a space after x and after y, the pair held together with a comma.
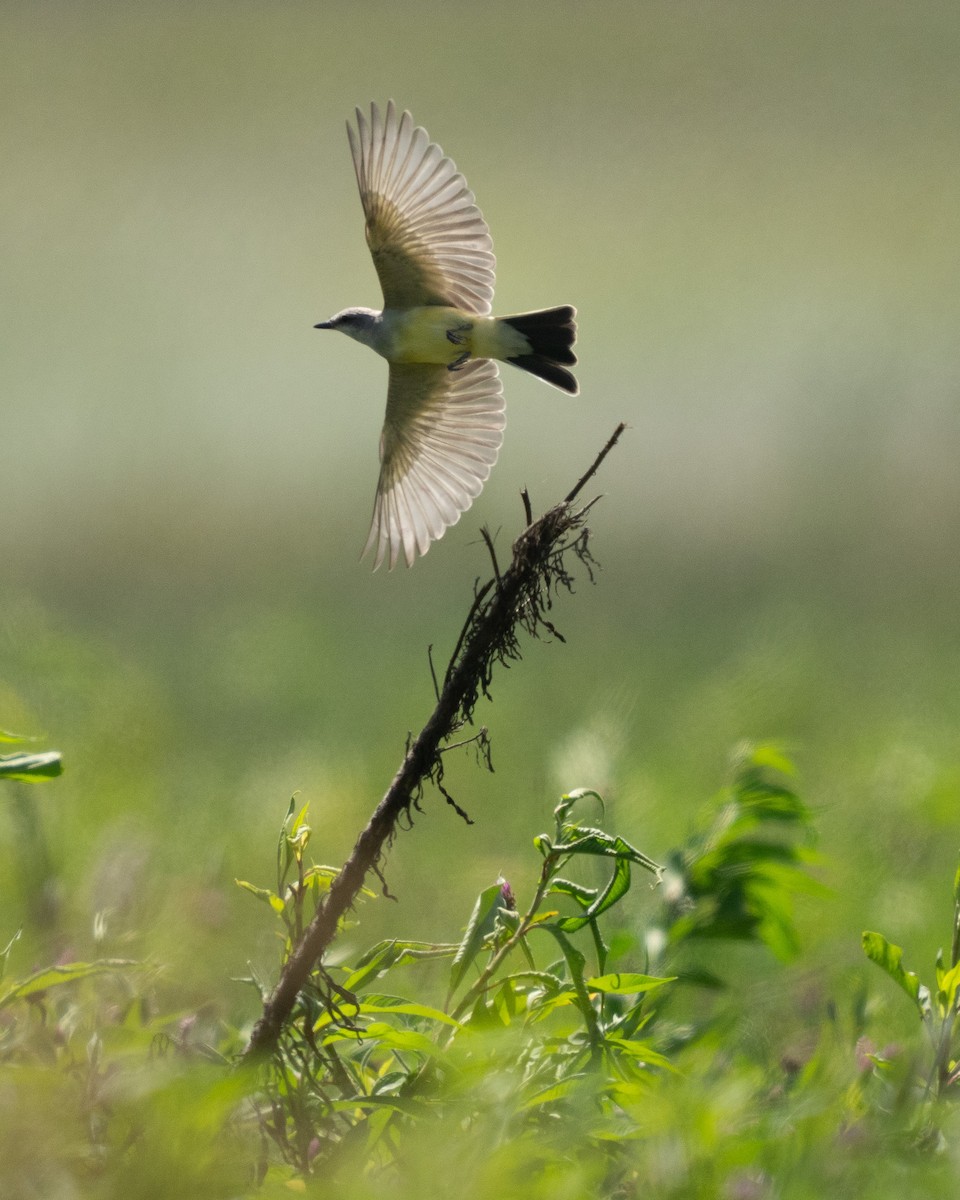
x: 454, y: 334
x: 458, y: 362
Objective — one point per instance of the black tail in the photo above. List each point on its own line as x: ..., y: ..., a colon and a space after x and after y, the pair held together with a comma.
x: 551, y: 334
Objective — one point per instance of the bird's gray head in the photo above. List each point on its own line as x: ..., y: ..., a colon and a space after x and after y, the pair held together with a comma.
x: 362, y: 324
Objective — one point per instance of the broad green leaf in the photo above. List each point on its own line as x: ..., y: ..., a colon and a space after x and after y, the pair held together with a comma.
x: 396, y: 1004
x: 392, y: 1038
x: 50, y: 977
x: 556, y: 1091
x: 641, y: 1052
x: 482, y: 922
x: 889, y: 958
x: 482, y: 1015
x: 507, y: 1001
x: 616, y: 889
x: 31, y: 768
x: 622, y: 983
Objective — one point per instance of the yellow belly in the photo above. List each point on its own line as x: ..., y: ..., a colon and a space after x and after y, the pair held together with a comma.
x: 445, y: 335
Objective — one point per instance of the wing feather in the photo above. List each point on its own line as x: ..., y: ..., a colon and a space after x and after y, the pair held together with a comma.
x: 440, y: 440
x: 429, y: 241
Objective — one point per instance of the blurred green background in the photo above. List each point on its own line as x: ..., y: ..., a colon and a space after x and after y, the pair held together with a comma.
x: 754, y: 207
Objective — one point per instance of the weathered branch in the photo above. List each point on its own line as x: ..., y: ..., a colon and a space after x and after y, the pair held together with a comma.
x: 515, y: 599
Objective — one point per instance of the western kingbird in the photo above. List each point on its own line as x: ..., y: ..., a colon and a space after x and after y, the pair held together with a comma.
x: 433, y: 254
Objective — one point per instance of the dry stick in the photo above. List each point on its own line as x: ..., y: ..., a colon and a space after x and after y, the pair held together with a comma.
x: 517, y: 597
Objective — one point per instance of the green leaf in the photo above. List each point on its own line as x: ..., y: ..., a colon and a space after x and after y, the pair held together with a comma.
x: 31, y: 768
x: 889, y: 958
x: 546, y: 982
x: 947, y: 984
x: 396, y: 1004
x: 482, y: 923
x: 642, y: 1053
x: 578, y: 840
x: 540, y: 1007
x: 7, y: 736
x: 386, y: 1037
x: 50, y: 977
x: 584, y: 896
x: 387, y: 1102
x: 284, y: 849
x: 384, y: 956
x: 508, y: 1001
x: 556, y: 1091
x: 263, y: 894
x: 482, y: 1015
x: 568, y: 800
x: 321, y: 877
x: 772, y: 756
x: 576, y: 962
x: 622, y: 983
x: 616, y: 889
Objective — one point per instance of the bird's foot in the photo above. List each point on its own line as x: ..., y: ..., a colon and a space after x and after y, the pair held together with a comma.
x: 455, y: 334
x: 458, y: 362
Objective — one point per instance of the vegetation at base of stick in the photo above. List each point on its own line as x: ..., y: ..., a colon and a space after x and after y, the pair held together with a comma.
x: 573, y: 1037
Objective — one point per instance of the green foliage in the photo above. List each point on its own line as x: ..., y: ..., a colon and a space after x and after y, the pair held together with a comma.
x: 937, y: 1005
x: 41, y: 982
x: 545, y: 1025
x: 737, y: 875
x: 889, y: 958
x: 25, y: 767
x: 523, y: 1003
x: 127, y: 1097
x: 537, y: 1054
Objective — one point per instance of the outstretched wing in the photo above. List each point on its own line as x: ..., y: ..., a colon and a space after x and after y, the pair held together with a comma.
x: 429, y: 242
x: 441, y: 437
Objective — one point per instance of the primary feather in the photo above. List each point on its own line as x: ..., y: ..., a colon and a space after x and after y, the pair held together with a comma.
x: 440, y: 440
x: 429, y: 241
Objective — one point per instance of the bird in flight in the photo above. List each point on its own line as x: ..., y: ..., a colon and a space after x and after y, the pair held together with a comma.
x: 445, y: 410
